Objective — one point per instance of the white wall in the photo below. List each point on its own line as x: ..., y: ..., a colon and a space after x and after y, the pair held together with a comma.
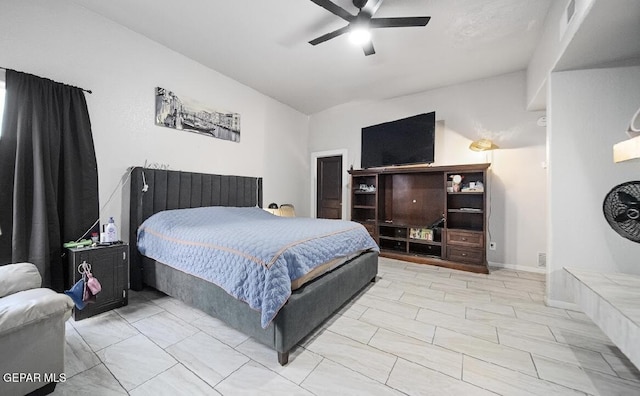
x: 589, y: 111
x: 556, y: 36
x: 64, y: 42
x: 493, y: 108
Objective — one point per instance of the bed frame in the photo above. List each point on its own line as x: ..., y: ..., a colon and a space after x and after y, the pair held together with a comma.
x: 308, y: 306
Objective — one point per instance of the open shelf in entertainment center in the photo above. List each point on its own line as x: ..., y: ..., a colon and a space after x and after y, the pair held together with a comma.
x: 397, y: 238
x: 414, y: 215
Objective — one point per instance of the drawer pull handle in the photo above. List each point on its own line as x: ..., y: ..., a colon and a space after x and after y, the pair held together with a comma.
x: 464, y: 239
x: 464, y: 254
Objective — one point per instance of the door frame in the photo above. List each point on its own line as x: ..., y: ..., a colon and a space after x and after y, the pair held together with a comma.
x: 314, y: 181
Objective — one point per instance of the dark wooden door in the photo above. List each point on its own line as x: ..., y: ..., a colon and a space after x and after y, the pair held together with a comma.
x: 329, y: 188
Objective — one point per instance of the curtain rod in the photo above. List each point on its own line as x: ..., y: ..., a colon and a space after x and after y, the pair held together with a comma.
x: 72, y: 86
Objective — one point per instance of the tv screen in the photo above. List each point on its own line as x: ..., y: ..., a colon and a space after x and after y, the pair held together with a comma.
x: 401, y: 142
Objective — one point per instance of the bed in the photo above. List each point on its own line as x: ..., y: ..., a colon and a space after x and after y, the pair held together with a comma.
x: 306, y: 308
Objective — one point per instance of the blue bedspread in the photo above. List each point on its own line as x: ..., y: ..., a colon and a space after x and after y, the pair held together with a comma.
x: 250, y: 253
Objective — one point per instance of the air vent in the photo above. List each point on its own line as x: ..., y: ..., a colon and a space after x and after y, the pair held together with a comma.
x: 542, y: 260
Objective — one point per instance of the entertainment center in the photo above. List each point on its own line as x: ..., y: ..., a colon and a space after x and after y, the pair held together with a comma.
x: 425, y: 214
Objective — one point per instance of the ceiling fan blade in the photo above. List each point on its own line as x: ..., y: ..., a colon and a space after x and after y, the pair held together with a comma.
x: 335, y: 9
x: 329, y: 36
x: 398, y: 22
x: 368, y: 48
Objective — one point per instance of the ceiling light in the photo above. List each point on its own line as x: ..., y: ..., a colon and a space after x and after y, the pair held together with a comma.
x: 483, y: 145
x: 630, y: 148
x: 627, y: 150
x: 360, y: 36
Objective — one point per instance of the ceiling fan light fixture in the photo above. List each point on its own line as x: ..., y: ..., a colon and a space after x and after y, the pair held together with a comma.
x: 360, y: 36
x: 359, y: 25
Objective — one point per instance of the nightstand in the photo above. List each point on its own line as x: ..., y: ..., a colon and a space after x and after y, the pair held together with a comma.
x: 110, y: 265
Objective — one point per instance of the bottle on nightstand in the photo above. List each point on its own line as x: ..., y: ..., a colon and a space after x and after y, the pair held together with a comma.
x: 111, y: 230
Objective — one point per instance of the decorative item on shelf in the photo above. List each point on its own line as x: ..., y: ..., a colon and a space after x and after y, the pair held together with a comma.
x: 425, y: 234
x: 367, y: 188
x: 475, y: 186
x: 483, y: 145
x: 456, y: 182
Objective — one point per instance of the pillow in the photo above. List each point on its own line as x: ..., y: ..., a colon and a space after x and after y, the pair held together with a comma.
x: 18, y: 277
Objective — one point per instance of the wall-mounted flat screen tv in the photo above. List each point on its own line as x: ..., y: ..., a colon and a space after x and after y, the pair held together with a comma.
x: 401, y: 142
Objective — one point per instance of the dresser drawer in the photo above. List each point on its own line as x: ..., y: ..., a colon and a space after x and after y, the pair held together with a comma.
x: 474, y: 256
x: 465, y: 238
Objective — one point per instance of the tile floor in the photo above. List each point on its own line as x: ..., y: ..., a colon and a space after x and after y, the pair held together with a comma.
x: 419, y: 330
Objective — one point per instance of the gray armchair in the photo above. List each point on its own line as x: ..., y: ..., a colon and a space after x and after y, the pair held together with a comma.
x: 32, y: 332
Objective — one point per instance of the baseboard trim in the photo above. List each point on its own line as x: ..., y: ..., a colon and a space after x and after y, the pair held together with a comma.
x: 516, y: 267
x: 562, y: 304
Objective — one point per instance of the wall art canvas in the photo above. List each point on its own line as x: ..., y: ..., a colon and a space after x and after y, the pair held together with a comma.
x: 178, y: 112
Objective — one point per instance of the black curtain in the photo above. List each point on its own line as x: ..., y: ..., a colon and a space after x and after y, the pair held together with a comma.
x: 48, y: 173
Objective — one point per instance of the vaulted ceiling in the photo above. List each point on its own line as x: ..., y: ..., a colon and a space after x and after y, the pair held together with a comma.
x: 264, y: 44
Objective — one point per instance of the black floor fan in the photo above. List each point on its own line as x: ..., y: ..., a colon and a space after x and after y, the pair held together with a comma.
x: 622, y: 210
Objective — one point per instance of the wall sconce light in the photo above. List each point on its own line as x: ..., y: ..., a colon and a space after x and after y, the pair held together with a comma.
x: 483, y: 145
x: 630, y: 148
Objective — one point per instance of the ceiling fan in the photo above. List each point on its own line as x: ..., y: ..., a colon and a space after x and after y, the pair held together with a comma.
x: 360, y: 23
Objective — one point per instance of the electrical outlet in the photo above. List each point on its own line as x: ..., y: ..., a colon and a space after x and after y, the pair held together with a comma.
x: 542, y: 260
x: 492, y: 245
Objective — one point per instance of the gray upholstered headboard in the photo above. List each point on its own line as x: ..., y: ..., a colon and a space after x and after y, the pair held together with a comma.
x: 179, y: 190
